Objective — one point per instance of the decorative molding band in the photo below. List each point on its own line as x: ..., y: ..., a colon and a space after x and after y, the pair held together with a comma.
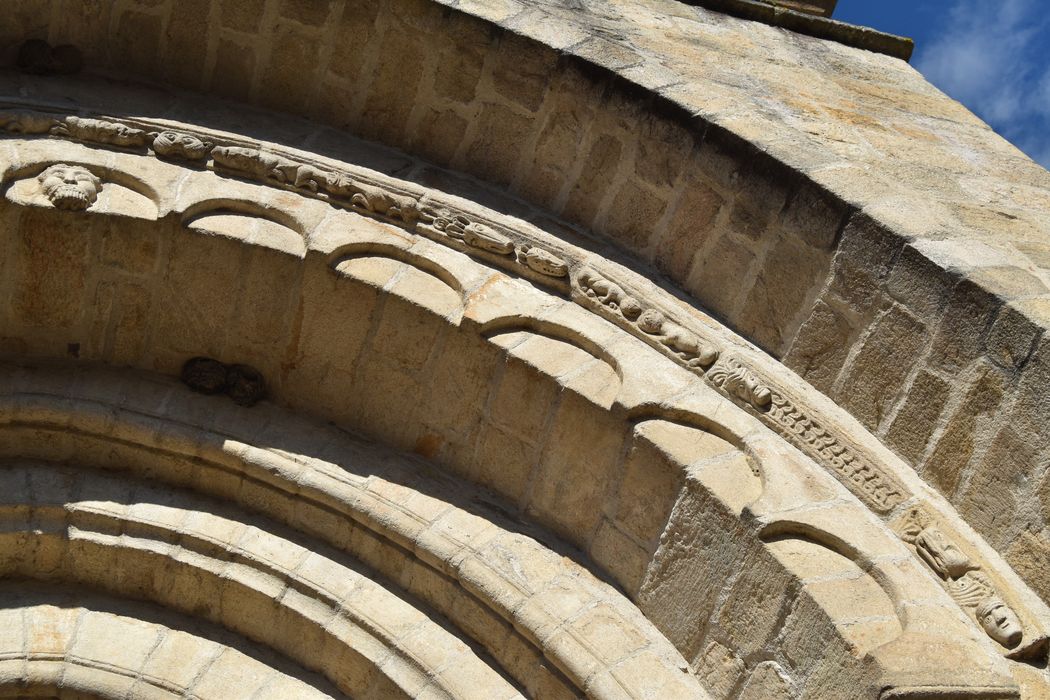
x: 699, y: 349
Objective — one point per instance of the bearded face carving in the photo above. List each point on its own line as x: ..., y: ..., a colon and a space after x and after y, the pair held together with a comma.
x: 70, y: 187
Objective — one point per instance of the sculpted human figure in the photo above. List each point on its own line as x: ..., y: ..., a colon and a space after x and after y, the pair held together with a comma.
x: 686, y: 345
x: 739, y: 381
x: 1000, y: 622
x: 942, y: 555
x: 71, y: 187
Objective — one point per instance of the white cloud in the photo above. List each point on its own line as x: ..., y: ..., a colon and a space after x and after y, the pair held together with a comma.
x: 994, y: 58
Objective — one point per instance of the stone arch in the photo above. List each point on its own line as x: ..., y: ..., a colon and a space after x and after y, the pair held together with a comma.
x: 58, y: 645
x: 373, y: 351
x: 632, y: 347
x: 511, y: 574
x: 802, y: 220
x: 139, y: 542
x: 56, y: 428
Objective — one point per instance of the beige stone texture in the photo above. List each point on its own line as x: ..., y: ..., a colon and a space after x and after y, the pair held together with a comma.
x: 591, y: 369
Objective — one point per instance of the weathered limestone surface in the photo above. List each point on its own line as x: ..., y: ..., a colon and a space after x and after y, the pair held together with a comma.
x: 614, y: 494
x: 823, y: 200
x: 626, y: 433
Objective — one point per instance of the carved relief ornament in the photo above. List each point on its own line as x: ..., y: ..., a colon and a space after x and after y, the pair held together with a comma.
x: 174, y: 144
x: 448, y: 225
x: 71, y: 187
x: 968, y: 585
x: 100, y: 131
x: 445, y: 223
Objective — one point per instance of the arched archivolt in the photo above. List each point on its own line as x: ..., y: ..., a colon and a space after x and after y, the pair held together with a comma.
x: 73, y: 644
x: 366, y: 354
x: 274, y: 467
x: 580, y: 369
x: 494, y: 94
x: 133, y: 540
x: 522, y: 584
x: 411, y: 275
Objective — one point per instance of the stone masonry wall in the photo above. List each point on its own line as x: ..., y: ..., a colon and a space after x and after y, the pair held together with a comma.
x: 827, y: 203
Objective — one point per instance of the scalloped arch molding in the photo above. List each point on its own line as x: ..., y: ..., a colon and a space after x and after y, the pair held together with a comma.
x: 517, y: 440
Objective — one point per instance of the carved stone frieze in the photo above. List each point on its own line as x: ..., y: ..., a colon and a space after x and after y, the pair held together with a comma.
x: 608, y: 293
x: 445, y: 223
x: 517, y: 249
x: 344, y: 189
x: 544, y: 262
x: 101, y: 131
x: 968, y: 585
x: 734, y: 378
x: 881, y: 491
x: 26, y: 122
x: 71, y: 187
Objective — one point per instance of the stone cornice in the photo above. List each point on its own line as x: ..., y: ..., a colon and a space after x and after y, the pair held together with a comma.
x: 820, y: 27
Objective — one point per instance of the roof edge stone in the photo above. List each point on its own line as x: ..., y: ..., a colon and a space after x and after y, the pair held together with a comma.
x: 812, y: 25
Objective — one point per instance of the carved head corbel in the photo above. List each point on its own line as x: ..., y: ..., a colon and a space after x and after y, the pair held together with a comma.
x: 71, y: 187
x: 1000, y: 622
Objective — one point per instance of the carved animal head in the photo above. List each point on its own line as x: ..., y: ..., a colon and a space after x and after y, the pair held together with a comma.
x: 204, y: 375
x: 340, y: 184
x: 236, y: 157
x: 546, y: 263
x: 1000, y: 622
x: 70, y: 187
x: 587, y: 277
x: 174, y: 144
x: 651, y: 321
x: 486, y: 238
x: 630, y: 308
x: 761, y: 396
x: 245, y: 385
x: 407, y: 209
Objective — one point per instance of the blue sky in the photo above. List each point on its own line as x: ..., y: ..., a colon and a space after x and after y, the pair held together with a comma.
x: 991, y: 55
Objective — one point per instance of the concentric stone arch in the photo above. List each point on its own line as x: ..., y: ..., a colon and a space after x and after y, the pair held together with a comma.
x: 560, y: 465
